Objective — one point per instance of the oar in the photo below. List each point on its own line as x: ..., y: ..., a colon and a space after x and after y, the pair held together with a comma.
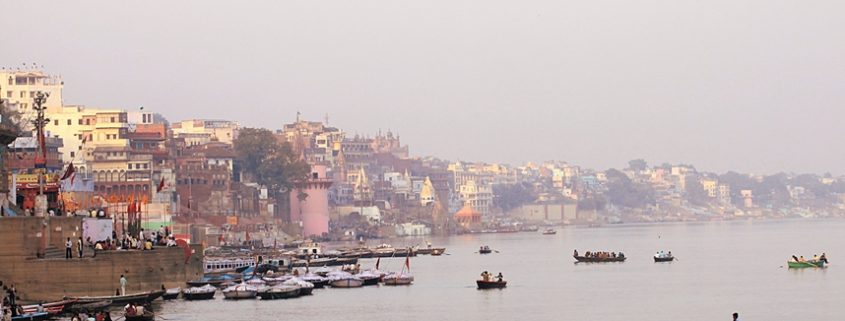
x: 497, y: 251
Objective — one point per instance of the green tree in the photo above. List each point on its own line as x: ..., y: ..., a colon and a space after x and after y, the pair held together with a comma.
x: 269, y: 162
x: 637, y: 164
x: 508, y: 197
x: 623, y: 192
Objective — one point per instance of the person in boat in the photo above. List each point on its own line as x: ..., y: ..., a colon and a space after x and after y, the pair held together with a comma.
x: 823, y: 258
x: 575, y: 253
x: 485, y: 276
x: 801, y: 259
x: 130, y: 309
x: 500, y: 277
x: 40, y: 307
x: 794, y: 258
x: 621, y: 255
x: 815, y: 258
x: 670, y: 254
x: 736, y: 316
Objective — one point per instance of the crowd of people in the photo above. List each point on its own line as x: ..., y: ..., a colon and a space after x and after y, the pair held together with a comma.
x: 9, y: 305
x: 145, y: 240
x: 601, y: 255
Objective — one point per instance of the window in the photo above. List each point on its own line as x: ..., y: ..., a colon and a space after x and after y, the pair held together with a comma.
x: 72, y: 154
x: 9, y: 94
x: 130, y: 166
x: 69, y: 122
x: 55, y: 122
x: 112, y: 119
x: 80, y: 121
x: 146, y: 165
x: 31, y: 94
x: 88, y: 122
x: 23, y: 94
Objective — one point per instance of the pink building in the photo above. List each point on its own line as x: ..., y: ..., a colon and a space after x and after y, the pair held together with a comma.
x: 313, y: 212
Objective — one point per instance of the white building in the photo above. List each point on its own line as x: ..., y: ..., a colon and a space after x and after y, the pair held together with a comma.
x: 202, y: 131
x: 19, y: 87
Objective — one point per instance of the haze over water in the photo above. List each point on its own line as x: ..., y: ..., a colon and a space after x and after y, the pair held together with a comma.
x: 722, y: 267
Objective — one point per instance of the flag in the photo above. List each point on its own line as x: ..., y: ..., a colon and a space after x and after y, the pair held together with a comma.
x: 160, y: 185
x: 68, y: 172
x: 378, y: 260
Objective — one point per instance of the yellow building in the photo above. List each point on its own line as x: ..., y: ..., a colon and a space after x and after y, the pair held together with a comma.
x: 19, y: 87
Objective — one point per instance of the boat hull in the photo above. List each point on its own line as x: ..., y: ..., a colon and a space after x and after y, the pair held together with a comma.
x: 808, y: 264
x: 240, y: 295
x: 35, y: 316
x: 584, y: 259
x: 198, y: 296
x: 664, y: 259
x: 491, y: 284
x: 137, y: 298
x: 347, y: 283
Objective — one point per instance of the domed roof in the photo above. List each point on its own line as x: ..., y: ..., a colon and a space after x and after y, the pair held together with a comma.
x: 467, y: 212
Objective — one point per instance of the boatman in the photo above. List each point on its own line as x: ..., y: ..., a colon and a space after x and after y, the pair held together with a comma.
x: 500, y: 277
x: 122, y: 285
x: 736, y: 316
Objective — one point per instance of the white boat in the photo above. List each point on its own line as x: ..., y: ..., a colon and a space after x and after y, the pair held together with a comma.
x: 341, y: 279
x: 305, y: 287
x: 398, y: 279
x: 205, y: 292
x: 240, y: 291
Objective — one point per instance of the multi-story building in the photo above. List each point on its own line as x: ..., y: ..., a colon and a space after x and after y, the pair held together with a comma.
x: 19, y: 87
x: 204, y: 179
x: 201, y: 131
x: 479, y: 197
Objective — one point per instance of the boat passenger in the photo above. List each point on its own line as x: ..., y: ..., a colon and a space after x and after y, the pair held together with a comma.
x: 815, y: 257
x: 500, y: 277
x: 801, y: 259
x: 823, y: 258
x: 485, y: 276
x: 576, y: 252
x: 794, y: 258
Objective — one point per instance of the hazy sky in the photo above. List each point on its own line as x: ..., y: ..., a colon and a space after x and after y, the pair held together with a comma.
x: 756, y: 86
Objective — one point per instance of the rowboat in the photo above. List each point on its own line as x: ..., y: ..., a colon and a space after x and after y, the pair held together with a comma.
x: 141, y: 297
x: 171, y: 294
x: 52, y: 308
x: 663, y: 258
x: 437, y: 252
x: 205, y: 292
x: 278, y: 292
x: 485, y: 250
x: 590, y: 259
x: 240, y: 291
x: 491, y: 284
x: 316, y: 280
x: 305, y: 287
x: 805, y: 264
x: 398, y: 279
x: 369, y: 277
x: 549, y: 231
x: 138, y: 313
x: 348, y: 282
x: 32, y: 316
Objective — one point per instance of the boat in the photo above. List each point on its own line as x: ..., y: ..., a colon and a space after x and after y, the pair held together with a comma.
x: 369, y: 277
x: 205, y: 292
x: 171, y: 294
x: 316, y: 280
x: 278, y: 292
x: 437, y: 252
x: 341, y: 279
x: 92, y: 306
x: 305, y: 287
x: 549, y: 231
x: 240, y: 292
x: 215, y: 280
x: 484, y: 249
x: 32, y: 316
x: 591, y: 259
x: 138, y: 313
x: 52, y: 308
x: 398, y: 279
x: 664, y: 257
x: 806, y: 264
x: 138, y: 298
x: 491, y: 284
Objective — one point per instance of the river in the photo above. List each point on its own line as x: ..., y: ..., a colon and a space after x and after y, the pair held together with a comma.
x: 722, y: 267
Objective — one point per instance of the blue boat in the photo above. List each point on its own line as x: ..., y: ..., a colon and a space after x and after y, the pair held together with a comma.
x: 34, y: 316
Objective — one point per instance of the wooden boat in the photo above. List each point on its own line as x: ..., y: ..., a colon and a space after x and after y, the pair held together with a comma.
x: 32, y: 316
x: 240, y: 292
x: 398, y: 279
x: 485, y: 250
x: 663, y: 258
x: 591, y: 259
x: 92, y: 306
x: 171, y: 294
x: 205, y: 292
x: 805, y: 264
x: 52, y: 308
x: 437, y: 252
x: 316, y: 280
x: 279, y: 292
x: 348, y: 282
x: 369, y: 277
x: 491, y: 284
x: 138, y: 298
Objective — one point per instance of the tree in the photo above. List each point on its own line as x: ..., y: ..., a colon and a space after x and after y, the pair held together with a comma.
x: 637, y: 164
x: 268, y: 161
x: 511, y: 196
x: 695, y: 193
x: 623, y: 192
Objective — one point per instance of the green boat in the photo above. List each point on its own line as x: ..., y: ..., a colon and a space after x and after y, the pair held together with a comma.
x: 807, y: 264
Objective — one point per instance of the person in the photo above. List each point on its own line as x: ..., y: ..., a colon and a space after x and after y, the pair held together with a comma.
x: 40, y: 307
x: 122, y: 285
x: 823, y: 258
x: 736, y: 316
x: 575, y: 253
x: 794, y: 258
x: 500, y: 277
x: 801, y: 259
x: 79, y: 246
x: 75, y: 317
x: 485, y: 276
x: 68, y: 246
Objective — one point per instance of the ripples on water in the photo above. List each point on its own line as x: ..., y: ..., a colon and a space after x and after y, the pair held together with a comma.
x: 722, y: 267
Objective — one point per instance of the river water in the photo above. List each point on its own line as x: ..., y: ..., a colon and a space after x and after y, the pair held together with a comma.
x: 722, y: 267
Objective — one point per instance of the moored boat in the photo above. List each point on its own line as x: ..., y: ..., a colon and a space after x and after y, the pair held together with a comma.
x: 305, y: 287
x: 240, y: 292
x: 92, y: 306
x: 398, y: 279
x: 341, y: 279
x: 279, y: 292
x: 52, y: 308
x: 205, y: 292
x: 491, y: 284
x: 32, y: 316
x: 171, y: 294
x: 316, y: 280
x: 549, y: 231
x: 369, y: 278
x: 138, y: 298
